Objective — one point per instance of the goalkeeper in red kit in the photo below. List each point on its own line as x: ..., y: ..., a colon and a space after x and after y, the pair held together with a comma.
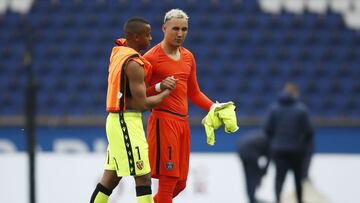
x: 168, y: 127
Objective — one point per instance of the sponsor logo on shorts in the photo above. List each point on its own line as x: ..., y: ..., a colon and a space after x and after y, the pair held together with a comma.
x: 169, y: 165
x: 140, y: 164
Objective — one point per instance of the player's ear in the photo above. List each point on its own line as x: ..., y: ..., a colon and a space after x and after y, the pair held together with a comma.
x: 136, y: 37
x: 163, y: 28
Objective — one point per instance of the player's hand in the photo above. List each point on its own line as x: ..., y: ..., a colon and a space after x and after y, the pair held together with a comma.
x: 168, y: 83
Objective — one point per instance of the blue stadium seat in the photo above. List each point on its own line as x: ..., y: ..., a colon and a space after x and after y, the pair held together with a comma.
x: 242, y: 53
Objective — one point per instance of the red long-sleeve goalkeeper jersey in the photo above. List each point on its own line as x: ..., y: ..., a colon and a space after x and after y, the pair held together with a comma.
x: 184, y: 70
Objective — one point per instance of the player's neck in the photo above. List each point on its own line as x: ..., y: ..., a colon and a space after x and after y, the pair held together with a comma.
x: 172, y: 51
x: 133, y: 46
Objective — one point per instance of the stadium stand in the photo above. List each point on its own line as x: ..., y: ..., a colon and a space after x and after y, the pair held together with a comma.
x: 245, y: 51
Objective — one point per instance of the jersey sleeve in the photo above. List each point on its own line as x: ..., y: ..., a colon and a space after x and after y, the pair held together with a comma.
x: 150, y: 90
x: 194, y: 92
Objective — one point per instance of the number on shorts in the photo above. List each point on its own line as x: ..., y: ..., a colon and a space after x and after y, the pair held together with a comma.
x: 169, y: 152
x: 138, y: 151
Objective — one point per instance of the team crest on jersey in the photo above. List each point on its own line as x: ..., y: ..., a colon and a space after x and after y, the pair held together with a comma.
x: 169, y: 165
x: 140, y: 164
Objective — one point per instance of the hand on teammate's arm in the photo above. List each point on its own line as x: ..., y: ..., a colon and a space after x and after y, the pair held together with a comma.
x: 138, y: 100
x: 168, y: 83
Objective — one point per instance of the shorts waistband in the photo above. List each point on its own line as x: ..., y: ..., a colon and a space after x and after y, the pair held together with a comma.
x: 127, y: 114
x: 168, y: 114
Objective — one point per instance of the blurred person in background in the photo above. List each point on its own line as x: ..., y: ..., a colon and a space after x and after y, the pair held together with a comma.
x: 253, y: 150
x: 309, y: 152
x: 127, y: 153
x: 290, y: 131
x: 168, y: 126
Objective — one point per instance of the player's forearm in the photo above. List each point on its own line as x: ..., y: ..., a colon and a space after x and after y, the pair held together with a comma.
x: 156, y: 99
x: 150, y: 91
x: 168, y: 83
x: 201, y: 100
x: 140, y: 102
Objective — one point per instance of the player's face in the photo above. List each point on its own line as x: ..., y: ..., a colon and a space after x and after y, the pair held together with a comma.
x: 175, y: 31
x: 145, y: 37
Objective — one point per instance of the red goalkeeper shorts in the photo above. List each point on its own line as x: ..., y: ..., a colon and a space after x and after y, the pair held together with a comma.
x: 169, y: 144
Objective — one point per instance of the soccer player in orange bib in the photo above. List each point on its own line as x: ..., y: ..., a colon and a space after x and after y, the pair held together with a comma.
x: 127, y: 153
x: 168, y: 127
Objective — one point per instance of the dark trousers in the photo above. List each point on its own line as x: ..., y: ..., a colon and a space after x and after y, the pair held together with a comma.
x: 308, y: 153
x: 283, y: 162
x: 253, y: 177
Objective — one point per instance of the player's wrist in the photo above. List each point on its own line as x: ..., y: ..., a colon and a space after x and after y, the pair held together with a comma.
x: 214, y: 105
x: 158, y: 87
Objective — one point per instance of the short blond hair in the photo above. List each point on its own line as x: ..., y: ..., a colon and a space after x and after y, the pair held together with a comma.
x: 175, y: 13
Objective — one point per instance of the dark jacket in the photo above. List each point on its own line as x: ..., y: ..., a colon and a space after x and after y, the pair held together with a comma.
x: 288, y: 125
x: 253, y: 145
